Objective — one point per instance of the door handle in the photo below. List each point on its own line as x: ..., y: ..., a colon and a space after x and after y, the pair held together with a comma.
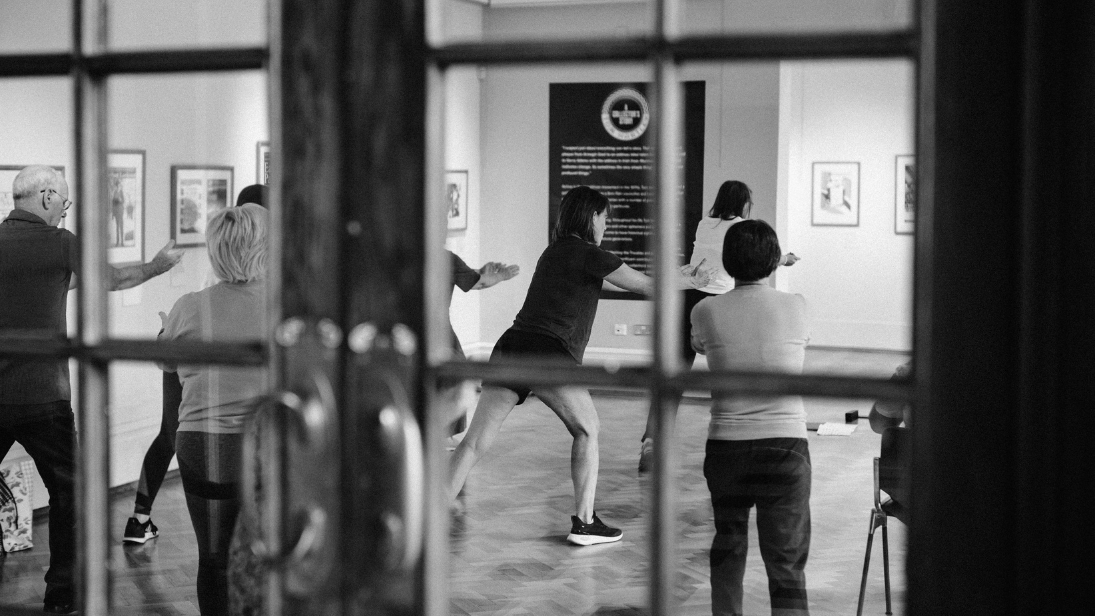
x: 403, y: 441
x: 397, y: 465
x: 307, y: 420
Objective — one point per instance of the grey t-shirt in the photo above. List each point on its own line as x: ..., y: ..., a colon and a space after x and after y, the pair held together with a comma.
x: 215, y: 398
x: 754, y: 328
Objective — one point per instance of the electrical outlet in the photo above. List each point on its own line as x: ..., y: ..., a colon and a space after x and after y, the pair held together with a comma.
x: 620, y: 329
x: 641, y: 330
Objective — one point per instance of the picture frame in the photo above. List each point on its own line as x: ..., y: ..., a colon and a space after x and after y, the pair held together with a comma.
x: 456, y: 199
x: 834, y: 200
x: 262, y: 163
x: 196, y: 192
x: 7, y: 177
x: 904, y: 201
x: 126, y: 194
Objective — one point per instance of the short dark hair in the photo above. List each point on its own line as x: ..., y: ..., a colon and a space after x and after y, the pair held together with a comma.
x: 576, y: 213
x: 255, y: 193
x: 750, y: 250
x: 731, y: 201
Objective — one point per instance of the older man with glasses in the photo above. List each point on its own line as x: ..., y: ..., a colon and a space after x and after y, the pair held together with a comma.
x: 38, y: 264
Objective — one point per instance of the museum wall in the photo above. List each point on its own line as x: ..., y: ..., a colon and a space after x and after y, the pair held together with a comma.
x: 462, y: 152
x: 856, y: 279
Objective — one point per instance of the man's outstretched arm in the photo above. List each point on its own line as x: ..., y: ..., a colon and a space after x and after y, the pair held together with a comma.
x: 129, y: 276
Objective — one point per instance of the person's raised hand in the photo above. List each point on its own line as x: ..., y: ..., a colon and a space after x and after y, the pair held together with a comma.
x: 167, y: 258
x: 701, y: 276
x: 790, y: 259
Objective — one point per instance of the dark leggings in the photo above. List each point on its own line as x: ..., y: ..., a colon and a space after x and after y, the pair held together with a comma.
x: 162, y: 448
x: 691, y: 298
x: 210, y: 469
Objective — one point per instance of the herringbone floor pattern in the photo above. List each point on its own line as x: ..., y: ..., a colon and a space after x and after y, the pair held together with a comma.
x: 509, y: 550
x: 510, y: 554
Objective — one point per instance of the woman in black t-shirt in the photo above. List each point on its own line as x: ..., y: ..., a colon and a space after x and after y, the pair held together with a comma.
x: 554, y: 323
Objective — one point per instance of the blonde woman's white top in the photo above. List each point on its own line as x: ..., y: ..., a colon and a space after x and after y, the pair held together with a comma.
x: 708, y: 245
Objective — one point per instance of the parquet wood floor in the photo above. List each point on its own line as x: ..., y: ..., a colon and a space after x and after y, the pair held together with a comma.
x: 508, y: 546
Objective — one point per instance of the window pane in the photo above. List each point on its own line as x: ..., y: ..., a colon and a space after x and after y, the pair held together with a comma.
x: 35, y: 27
x: 840, y: 501
x: 776, y: 127
x: 510, y: 526
x: 824, y: 153
x: 500, y: 126
x: 182, y: 147
x: 152, y: 434
x: 169, y: 24
x: 36, y: 264
x: 505, y: 20
x: 709, y: 17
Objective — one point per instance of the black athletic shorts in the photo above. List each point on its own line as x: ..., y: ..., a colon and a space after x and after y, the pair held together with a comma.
x: 527, y: 345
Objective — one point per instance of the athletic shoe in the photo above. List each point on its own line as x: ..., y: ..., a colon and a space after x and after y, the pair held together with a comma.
x: 593, y: 533
x: 135, y: 532
x: 646, y: 456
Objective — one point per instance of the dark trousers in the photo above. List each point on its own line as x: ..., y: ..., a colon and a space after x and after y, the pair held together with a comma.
x: 210, y: 469
x: 162, y: 449
x: 691, y: 298
x: 51, y: 443
x: 773, y: 475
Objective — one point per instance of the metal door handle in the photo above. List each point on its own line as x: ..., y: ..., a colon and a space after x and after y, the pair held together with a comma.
x: 403, y: 440
x: 306, y: 419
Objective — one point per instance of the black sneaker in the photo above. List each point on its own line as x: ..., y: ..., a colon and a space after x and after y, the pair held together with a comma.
x: 646, y: 456
x: 593, y: 533
x: 135, y: 532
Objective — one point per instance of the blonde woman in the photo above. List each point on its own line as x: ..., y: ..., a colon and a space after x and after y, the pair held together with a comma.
x: 215, y: 401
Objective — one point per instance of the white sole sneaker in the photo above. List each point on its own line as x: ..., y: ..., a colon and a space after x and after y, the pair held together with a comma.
x: 591, y: 539
x: 139, y: 539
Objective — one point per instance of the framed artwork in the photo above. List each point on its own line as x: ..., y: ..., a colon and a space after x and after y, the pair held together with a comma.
x: 197, y: 191
x: 262, y: 163
x: 125, y: 187
x: 904, y: 200
x: 456, y: 199
x: 7, y: 177
x: 835, y: 195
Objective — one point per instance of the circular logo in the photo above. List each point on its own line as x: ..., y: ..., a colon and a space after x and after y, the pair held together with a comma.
x: 625, y: 114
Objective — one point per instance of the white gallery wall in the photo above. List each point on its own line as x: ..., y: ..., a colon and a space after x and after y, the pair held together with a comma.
x: 857, y: 280
x: 462, y: 152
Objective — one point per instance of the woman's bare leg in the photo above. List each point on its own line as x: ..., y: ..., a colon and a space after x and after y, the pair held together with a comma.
x: 575, y: 407
x: 494, y: 406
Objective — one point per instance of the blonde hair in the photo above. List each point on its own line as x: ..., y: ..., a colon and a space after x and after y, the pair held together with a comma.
x: 236, y: 238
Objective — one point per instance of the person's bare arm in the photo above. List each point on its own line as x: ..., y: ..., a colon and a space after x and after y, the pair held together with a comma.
x: 629, y: 279
x: 130, y: 276
x: 492, y: 273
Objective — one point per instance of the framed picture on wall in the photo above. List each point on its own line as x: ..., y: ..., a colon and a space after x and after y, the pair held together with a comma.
x: 456, y: 199
x: 835, y: 195
x: 262, y: 163
x: 197, y: 191
x: 904, y: 200
x: 125, y: 190
x: 7, y: 177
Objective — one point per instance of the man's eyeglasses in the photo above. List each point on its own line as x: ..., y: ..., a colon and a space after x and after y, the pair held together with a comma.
x: 66, y: 203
